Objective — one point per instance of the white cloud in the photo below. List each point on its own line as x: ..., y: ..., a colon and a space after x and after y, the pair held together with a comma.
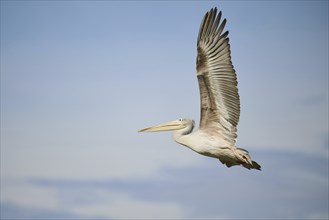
x: 27, y: 195
x: 101, y: 202
x: 122, y: 206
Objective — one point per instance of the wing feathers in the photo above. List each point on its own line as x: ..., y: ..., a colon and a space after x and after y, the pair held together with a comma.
x: 220, y: 103
x: 216, y: 23
x: 210, y: 21
x: 221, y: 28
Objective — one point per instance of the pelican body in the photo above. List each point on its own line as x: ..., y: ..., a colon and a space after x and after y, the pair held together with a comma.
x: 219, y: 100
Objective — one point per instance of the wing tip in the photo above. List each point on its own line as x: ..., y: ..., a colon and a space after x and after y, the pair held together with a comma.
x: 210, y: 24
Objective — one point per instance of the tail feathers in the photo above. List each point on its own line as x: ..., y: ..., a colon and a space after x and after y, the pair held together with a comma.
x: 246, y: 160
x: 240, y: 157
x: 254, y: 165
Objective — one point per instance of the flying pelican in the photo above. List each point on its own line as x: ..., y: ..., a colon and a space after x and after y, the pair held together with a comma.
x: 220, y: 102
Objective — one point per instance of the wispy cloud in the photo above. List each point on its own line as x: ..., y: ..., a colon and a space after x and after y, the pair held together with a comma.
x: 290, y: 186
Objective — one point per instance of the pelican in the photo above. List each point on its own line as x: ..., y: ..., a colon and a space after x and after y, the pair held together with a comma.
x: 219, y: 100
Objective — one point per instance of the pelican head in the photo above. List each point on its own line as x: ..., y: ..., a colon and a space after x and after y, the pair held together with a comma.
x: 170, y: 126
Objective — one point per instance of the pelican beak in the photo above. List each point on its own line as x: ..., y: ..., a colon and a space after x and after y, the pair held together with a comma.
x: 168, y: 126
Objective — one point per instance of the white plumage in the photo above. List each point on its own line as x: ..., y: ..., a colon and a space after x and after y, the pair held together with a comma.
x: 219, y: 100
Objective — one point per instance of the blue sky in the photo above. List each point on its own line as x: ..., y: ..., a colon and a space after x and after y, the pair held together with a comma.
x: 79, y: 78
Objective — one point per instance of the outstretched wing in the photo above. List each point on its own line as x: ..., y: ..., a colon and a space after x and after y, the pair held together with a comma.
x: 220, y: 103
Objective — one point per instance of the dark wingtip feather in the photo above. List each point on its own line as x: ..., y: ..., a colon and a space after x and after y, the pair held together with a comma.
x: 256, y: 166
x: 221, y: 27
